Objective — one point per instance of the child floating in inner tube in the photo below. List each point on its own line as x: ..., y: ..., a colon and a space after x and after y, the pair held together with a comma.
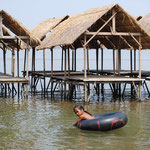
x: 82, y: 114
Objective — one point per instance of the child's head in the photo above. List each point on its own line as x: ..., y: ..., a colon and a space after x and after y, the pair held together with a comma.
x: 78, y: 109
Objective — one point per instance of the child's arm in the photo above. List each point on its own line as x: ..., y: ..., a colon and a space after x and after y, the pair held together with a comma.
x: 75, y: 124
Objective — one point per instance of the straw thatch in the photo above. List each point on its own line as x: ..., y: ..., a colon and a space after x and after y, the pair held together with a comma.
x: 145, y: 23
x: 18, y: 28
x: 71, y: 31
x: 41, y: 30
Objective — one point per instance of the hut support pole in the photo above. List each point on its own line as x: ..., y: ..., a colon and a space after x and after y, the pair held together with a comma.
x: 13, y: 69
x: 131, y: 69
x: 44, y: 70
x: 68, y: 62
x: 27, y: 74
x: 85, y: 73
x: 65, y: 72
x: 33, y: 69
x: 18, y: 66
x: 134, y: 60
x: 102, y: 68
x: 62, y: 54
x: 140, y: 47
x: 25, y: 55
x: 97, y: 68
x: 88, y: 69
x: 114, y: 61
x: 52, y: 70
x: 4, y: 59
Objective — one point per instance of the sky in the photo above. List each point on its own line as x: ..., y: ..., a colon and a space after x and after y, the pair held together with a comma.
x: 32, y: 12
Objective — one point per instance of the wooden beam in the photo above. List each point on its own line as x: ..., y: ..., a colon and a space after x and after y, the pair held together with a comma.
x: 113, y: 21
x: 1, y: 30
x: 139, y: 44
x: 131, y: 47
x: 13, y: 37
x: 111, y: 34
x: 95, y: 33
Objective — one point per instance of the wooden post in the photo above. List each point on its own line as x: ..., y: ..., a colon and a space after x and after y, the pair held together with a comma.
x: 65, y: 73
x: 135, y: 60
x: 85, y: 53
x: 140, y: 67
x: 102, y: 68
x: 25, y: 55
x: 33, y: 69
x: 131, y: 61
x: 44, y: 70
x: 113, y: 21
x: 62, y: 54
x: 68, y: 62
x: 51, y: 62
x: 13, y: 69
x: 4, y: 59
x: 13, y: 62
x: 88, y: 60
x: 102, y: 59
x: 114, y: 61
x: 75, y: 59
x: 131, y: 70
x: 52, y: 70
x: 18, y: 65
x: 97, y: 68
x: 97, y: 64
x: 72, y: 59
x: 27, y: 74
x: 1, y: 24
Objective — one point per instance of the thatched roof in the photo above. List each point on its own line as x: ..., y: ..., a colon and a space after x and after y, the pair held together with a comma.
x: 145, y: 23
x: 46, y: 26
x: 71, y: 31
x: 18, y: 28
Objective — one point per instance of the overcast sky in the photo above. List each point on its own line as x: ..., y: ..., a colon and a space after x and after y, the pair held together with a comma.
x: 32, y: 12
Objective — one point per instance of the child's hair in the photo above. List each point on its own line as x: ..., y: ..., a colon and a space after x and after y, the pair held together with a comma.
x: 80, y: 107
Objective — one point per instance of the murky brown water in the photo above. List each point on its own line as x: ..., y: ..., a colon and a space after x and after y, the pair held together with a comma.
x: 43, y: 124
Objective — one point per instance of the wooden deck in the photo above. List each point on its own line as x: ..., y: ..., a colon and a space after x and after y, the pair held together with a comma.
x: 6, y: 78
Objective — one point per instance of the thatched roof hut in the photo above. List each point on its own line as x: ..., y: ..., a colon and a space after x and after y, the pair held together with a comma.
x: 18, y: 28
x: 72, y: 30
x: 46, y: 26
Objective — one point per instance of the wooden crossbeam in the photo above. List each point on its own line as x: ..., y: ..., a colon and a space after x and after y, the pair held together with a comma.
x: 100, y: 28
x: 131, y: 47
x: 112, y: 34
x: 132, y: 35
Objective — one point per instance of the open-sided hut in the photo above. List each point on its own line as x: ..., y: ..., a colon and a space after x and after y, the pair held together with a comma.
x: 41, y: 31
x: 19, y: 33
x: 111, y: 26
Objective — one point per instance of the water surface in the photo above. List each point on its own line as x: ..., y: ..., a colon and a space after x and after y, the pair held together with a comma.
x: 37, y: 123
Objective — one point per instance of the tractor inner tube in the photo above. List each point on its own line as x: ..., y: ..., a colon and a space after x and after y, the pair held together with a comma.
x: 104, y: 122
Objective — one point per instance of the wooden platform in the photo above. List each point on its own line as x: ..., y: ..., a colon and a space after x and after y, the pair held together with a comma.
x: 6, y: 78
x: 99, y: 79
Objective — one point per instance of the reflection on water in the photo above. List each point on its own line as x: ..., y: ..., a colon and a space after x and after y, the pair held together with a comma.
x: 36, y: 123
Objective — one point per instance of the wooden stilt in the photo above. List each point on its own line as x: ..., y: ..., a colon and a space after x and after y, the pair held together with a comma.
x: 44, y: 70
x: 135, y: 60
x: 18, y: 66
x: 27, y: 74
x: 52, y: 70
